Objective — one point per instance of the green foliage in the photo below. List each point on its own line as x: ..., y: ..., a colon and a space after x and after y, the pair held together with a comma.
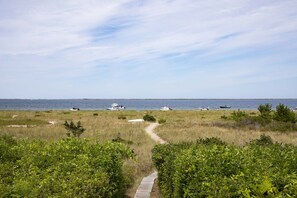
x: 265, y: 113
x: 224, y: 117
x: 265, y: 109
x: 95, y: 114
x: 68, y: 168
x: 122, y: 117
x: 284, y: 114
x: 264, y: 140
x: 76, y: 130
x: 283, y: 119
x: 161, y: 121
x: 121, y: 140
x: 210, y: 168
x: 238, y: 115
x: 149, y: 118
x: 211, y: 141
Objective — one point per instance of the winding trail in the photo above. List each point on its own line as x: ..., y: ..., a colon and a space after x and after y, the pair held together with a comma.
x: 146, y: 185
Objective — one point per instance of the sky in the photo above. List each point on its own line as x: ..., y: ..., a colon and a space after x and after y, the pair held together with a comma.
x: 148, y: 49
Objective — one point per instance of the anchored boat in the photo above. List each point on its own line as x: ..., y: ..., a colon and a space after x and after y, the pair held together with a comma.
x: 116, y: 107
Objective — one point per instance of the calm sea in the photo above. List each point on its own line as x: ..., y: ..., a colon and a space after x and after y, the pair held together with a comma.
x: 140, y: 104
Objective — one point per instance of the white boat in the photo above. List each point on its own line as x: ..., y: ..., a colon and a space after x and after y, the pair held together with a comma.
x: 165, y: 108
x: 203, y: 109
x: 116, y: 107
x: 74, y: 109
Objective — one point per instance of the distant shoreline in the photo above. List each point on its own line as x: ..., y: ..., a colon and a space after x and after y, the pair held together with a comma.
x: 148, y: 99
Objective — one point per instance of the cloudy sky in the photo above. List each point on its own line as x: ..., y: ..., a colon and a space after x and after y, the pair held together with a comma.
x: 148, y: 49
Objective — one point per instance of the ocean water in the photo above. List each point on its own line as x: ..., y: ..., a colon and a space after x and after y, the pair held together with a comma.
x: 139, y: 104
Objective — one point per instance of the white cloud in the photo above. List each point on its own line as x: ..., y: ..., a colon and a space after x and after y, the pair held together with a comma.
x: 72, y: 39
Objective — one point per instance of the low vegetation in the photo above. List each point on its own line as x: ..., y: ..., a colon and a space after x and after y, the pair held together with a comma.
x: 70, y: 167
x: 212, y: 168
x: 282, y: 119
x: 75, y: 129
x: 149, y: 118
x: 161, y: 121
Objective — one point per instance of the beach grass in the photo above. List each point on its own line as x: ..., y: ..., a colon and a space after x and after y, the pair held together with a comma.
x: 178, y: 126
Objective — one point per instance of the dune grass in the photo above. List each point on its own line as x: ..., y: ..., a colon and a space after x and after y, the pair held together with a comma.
x: 187, y: 126
x: 179, y: 126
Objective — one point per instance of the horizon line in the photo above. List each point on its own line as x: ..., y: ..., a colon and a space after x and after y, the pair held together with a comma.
x: 147, y: 98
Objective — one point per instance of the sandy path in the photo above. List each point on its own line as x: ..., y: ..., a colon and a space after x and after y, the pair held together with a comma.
x: 150, y: 131
x: 146, y: 185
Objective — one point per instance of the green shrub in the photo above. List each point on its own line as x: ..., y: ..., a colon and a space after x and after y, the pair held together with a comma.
x: 161, y: 121
x: 264, y: 140
x: 122, y: 117
x: 76, y: 130
x: 284, y: 114
x: 265, y: 113
x: 149, y: 118
x: 211, y: 141
x: 210, y: 168
x: 224, y: 117
x: 68, y: 168
x: 238, y: 115
x: 95, y: 114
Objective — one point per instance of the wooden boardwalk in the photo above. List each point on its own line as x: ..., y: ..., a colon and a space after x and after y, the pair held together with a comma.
x: 145, y: 188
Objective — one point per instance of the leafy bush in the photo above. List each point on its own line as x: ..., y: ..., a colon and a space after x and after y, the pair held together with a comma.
x: 76, y: 130
x: 264, y: 140
x: 95, y: 114
x: 210, y: 169
x: 265, y: 113
x: 149, y: 118
x: 121, y: 117
x: 265, y: 110
x: 68, y: 168
x: 238, y: 115
x: 211, y: 141
x: 161, y: 121
x: 283, y: 119
x: 224, y: 117
x: 284, y: 114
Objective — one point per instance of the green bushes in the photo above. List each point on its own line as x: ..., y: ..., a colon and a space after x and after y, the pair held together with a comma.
x: 161, y: 121
x: 282, y: 119
x: 121, y: 117
x: 238, y: 115
x: 210, y: 168
x: 68, y: 168
x: 149, y: 118
x: 76, y: 130
x: 284, y: 114
x: 265, y: 111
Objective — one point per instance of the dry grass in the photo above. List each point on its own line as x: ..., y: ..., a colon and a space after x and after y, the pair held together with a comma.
x: 185, y: 126
x: 180, y: 126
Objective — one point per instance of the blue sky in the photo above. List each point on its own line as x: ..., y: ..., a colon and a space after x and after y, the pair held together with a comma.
x: 148, y: 49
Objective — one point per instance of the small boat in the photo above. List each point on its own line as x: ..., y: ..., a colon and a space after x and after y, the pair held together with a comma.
x: 165, y: 108
x: 225, y: 107
x: 116, y: 107
x: 203, y: 109
x: 74, y: 109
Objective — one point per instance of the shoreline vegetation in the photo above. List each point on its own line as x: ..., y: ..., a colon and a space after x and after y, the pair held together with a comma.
x: 178, y: 126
